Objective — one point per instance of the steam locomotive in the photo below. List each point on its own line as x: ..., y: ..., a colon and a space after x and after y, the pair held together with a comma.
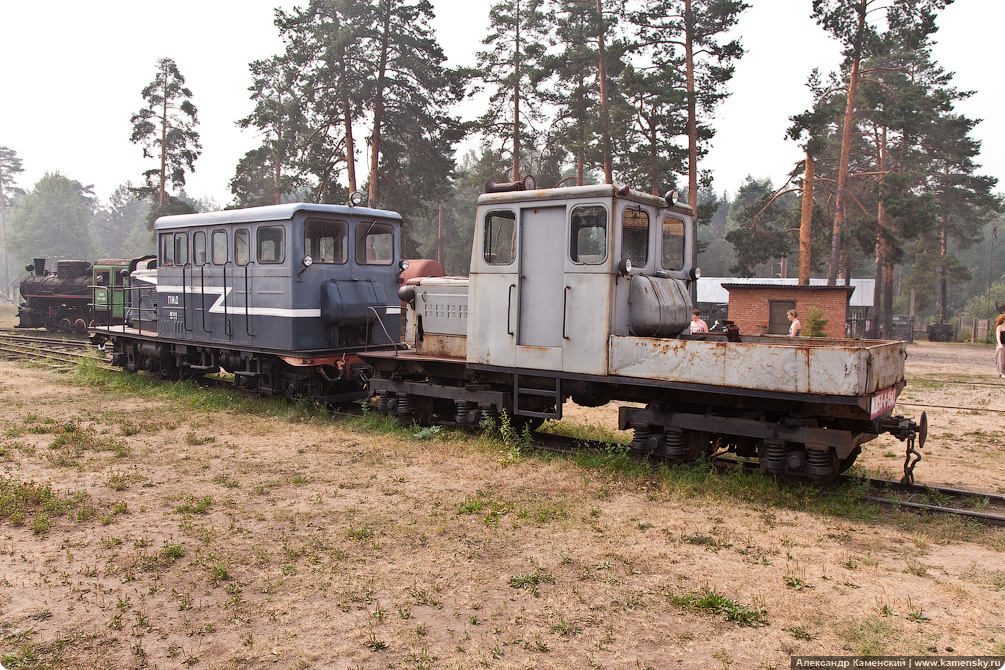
x: 78, y: 295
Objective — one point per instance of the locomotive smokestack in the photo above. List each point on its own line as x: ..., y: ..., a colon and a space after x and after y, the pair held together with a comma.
x: 39, y: 264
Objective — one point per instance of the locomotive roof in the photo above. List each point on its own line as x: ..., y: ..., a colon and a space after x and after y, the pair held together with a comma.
x: 577, y: 192
x: 268, y: 213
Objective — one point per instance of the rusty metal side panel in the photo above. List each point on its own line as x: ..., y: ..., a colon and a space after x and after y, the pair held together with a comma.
x: 837, y: 369
x: 442, y: 346
x: 668, y: 359
x: 492, y: 319
x: 887, y: 367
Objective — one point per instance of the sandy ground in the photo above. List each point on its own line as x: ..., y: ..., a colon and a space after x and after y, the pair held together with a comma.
x: 221, y: 539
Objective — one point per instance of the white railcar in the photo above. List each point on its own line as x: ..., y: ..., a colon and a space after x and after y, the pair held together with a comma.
x: 585, y: 293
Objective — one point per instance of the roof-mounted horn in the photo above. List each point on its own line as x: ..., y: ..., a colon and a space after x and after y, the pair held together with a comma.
x: 528, y: 183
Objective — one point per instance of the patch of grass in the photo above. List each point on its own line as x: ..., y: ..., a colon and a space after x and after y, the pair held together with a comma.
x: 799, y: 633
x: 118, y: 480
x: 708, y: 601
x: 72, y: 440
x: 193, y: 505
x: 424, y: 596
x: 701, y: 540
x: 484, y: 502
x: 359, y: 534
x: 872, y: 637
x: 531, y: 580
x: 226, y: 481
x: 24, y: 502
x: 193, y: 439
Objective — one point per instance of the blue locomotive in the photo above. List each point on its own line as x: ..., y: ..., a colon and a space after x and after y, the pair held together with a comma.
x: 283, y: 297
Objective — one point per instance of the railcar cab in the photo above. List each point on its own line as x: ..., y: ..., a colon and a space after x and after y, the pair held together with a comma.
x: 299, y: 277
x: 556, y: 273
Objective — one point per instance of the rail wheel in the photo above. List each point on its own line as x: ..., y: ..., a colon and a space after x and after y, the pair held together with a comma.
x: 846, y: 463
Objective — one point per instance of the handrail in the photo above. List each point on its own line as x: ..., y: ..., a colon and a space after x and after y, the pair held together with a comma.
x: 202, y: 291
x: 247, y: 303
x: 228, y: 330
x: 184, y: 301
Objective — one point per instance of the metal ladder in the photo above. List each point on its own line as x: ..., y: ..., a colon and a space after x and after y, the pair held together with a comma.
x: 526, y: 393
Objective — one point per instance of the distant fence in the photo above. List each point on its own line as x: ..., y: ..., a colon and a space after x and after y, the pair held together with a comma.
x: 903, y: 328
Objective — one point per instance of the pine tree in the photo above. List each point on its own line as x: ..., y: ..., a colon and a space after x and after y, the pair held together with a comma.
x: 52, y: 220
x: 10, y: 167
x: 165, y: 127
x: 515, y: 47
x: 689, y: 37
x: 113, y: 223
x: 858, y: 25
x: 331, y: 56
x: 267, y: 173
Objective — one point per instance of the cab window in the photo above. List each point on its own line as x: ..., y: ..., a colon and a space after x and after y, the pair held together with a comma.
x: 199, y: 248
x: 589, y: 234
x: 167, y: 249
x: 325, y: 241
x: 635, y: 236
x: 498, y: 246
x: 242, y: 247
x: 270, y: 244
x: 374, y: 243
x: 174, y: 249
x: 219, y: 247
x: 673, y: 244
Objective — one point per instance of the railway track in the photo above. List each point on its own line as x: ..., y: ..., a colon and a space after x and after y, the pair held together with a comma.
x: 59, y: 352
x: 985, y: 508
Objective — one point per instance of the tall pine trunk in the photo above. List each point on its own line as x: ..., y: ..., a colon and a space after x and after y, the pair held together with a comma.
x: 350, y: 145
x: 840, y: 213
x: 944, y: 248
x: 516, y: 98
x: 806, y: 223
x: 164, y: 124
x: 692, y: 137
x: 605, y: 112
x: 378, y: 105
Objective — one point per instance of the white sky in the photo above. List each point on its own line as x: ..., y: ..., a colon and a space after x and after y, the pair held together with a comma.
x: 71, y: 73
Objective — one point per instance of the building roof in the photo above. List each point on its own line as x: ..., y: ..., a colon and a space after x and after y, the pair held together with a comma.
x: 713, y: 290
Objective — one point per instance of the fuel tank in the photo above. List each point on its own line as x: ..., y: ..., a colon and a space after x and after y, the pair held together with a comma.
x: 660, y: 306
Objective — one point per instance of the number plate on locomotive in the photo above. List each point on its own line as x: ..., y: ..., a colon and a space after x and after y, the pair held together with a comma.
x: 883, y: 401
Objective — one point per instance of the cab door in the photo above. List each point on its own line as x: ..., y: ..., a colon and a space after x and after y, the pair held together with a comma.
x: 541, y: 325
x: 586, y: 289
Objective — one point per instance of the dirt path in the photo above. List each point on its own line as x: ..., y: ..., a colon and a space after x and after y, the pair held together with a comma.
x: 218, y: 539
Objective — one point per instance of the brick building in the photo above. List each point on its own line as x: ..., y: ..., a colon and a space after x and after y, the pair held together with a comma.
x: 760, y: 309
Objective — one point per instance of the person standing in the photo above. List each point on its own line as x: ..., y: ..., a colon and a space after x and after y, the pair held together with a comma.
x: 698, y: 324
x: 1000, y: 345
x: 795, y: 327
